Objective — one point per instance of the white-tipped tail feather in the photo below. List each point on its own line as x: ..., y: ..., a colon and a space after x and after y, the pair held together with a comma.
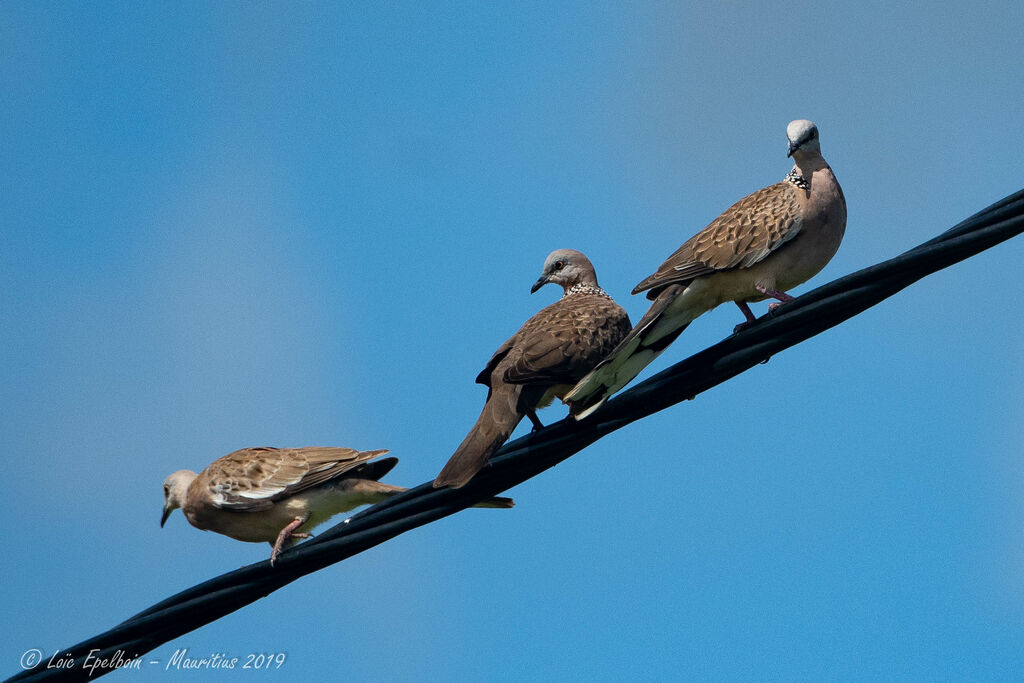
x: 663, y: 322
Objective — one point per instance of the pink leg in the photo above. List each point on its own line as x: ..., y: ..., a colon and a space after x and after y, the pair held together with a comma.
x: 746, y: 314
x: 286, y: 534
x: 775, y: 294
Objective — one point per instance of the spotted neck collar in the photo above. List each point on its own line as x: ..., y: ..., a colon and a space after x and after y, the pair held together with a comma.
x: 581, y: 288
x: 794, y: 177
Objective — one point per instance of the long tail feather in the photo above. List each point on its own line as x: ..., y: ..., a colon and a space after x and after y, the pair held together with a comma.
x: 378, y: 492
x: 495, y: 424
x: 625, y: 362
x: 496, y: 502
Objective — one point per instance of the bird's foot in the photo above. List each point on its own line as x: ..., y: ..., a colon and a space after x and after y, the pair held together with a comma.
x: 748, y: 314
x: 782, y: 297
x: 286, y: 535
x: 537, y: 424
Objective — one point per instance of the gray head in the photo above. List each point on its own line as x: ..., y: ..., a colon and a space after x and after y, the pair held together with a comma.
x: 803, y: 137
x: 566, y: 267
x: 175, y: 490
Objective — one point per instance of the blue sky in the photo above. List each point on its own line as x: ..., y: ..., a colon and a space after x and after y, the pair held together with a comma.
x: 227, y: 225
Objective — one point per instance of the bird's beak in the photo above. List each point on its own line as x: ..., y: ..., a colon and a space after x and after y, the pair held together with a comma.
x: 541, y: 281
x: 792, y: 148
x: 163, y: 517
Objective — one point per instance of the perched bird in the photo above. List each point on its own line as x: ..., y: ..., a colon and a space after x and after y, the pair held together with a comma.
x: 766, y: 243
x: 276, y: 495
x: 549, y: 353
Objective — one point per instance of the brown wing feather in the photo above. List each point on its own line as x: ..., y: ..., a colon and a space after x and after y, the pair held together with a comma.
x: 485, y: 375
x: 558, y: 345
x: 255, y: 478
x: 566, y: 340
x: 743, y: 235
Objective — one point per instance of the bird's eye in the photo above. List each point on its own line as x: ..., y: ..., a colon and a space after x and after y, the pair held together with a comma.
x: 559, y: 265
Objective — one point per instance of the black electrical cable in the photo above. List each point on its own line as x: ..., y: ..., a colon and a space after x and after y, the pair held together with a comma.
x: 517, y: 461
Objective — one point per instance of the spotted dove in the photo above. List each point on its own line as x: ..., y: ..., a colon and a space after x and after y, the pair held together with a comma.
x: 766, y: 243
x: 543, y: 360
x: 276, y: 495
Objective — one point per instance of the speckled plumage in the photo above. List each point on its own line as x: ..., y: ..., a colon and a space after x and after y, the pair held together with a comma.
x: 274, y: 495
x: 256, y: 478
x: 744, y: 234
x: 561, y: 343
x: 543, y: 360
x: 766, y: 243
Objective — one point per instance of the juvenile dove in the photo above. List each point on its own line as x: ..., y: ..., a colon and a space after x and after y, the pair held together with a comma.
x: 766, y: 243
x: 549, y: 353
x: 276, y: 495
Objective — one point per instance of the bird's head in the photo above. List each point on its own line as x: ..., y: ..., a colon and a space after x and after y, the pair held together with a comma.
x: 566, y: 267
x: 175, y: 489
x: 803, y: 137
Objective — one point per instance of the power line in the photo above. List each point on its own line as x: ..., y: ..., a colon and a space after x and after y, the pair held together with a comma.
x: 517, y: 461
